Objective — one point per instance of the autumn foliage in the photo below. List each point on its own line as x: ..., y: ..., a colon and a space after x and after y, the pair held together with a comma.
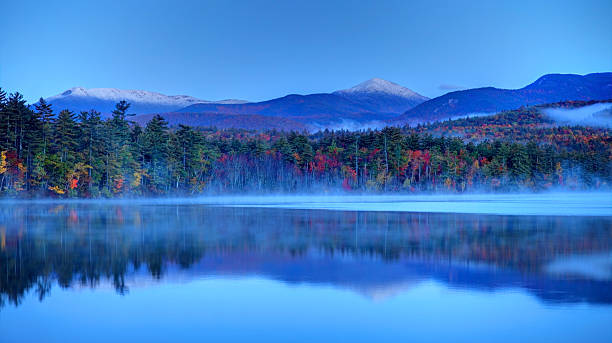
x: 82, y: 155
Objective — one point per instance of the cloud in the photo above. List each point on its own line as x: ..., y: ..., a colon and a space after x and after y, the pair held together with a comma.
x: 449, y: 87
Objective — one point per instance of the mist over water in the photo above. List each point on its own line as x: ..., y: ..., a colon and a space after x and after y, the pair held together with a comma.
x: 564, y: 204
x: 554, y: 203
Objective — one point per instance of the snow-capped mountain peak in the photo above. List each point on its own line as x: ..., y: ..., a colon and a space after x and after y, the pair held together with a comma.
x: 137, y: 96
x: 104, y: 100
x: 380, y: 86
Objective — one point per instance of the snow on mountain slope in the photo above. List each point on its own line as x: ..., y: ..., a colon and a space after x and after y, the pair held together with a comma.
x: 380, y: 86
x: 382, y: 96
x: 372, y: 100
x: 104, y: 100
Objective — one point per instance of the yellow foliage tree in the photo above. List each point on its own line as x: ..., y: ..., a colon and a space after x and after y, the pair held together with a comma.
x: 3, y: 167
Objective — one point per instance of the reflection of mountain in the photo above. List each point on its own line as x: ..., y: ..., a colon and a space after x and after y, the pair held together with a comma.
x: 376, y: 254
x: 378, y: 280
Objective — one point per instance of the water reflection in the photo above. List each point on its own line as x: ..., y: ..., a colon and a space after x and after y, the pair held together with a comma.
x: 559, y: 259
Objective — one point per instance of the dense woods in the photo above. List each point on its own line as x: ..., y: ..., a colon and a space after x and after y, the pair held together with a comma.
x: 65, y: 154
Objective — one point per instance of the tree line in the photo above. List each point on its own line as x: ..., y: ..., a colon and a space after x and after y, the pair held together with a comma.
x: 66, y: 154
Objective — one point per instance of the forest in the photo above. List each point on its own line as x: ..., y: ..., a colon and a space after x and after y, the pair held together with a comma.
x: 50, y: 153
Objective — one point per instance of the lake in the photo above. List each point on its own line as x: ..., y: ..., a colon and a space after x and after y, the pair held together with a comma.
x: 307, y: 271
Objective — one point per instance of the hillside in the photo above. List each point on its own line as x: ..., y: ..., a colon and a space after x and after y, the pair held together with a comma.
x: 547, y: 89
x: 523, y: 125
x: 374, y: 99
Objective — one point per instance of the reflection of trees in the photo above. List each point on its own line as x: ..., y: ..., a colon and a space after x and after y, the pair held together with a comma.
x: 83, y: 244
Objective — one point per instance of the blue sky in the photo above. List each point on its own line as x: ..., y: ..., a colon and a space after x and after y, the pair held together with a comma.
x: 257, y: 50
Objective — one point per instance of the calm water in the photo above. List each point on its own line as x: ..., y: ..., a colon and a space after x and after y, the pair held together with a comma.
x: 119, y: 272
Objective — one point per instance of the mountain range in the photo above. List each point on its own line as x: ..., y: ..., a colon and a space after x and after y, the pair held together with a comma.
x: 373, y: 101
x: 547, y: 89
x: 78, y: 99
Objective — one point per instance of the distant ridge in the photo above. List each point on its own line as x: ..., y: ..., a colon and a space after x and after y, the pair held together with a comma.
x: 104, y: 99
x: 547, y: 89
x: 374, y: 99
x: 371, y: 103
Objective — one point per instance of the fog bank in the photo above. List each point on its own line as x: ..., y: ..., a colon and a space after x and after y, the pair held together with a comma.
x: 557, y: 204
x: 599, y: 115
x: 349, y: 125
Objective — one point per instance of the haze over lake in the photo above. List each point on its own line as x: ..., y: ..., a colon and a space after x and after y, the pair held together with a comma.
x: 272, y: 269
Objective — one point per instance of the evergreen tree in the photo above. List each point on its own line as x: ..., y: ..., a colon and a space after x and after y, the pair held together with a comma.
x: 61, y: 163
x: 187, y: 148
x: 119, y: 160
x: 156, y: 151
x: 4, y: 122
x: 65, y: 136
x: 45, y: 114
x: 518, y: 162
x: 16, y: 115
x: 91, y: 145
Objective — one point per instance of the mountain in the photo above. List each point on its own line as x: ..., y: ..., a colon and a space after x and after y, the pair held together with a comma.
x: 104, y: 99
x: 374, y: 99
x: 293, y: 105
x: 547, y: 89
x: 378, y: 95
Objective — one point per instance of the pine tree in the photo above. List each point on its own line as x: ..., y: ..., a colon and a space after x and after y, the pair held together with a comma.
x: 16, y: 116
x: 62, y: 154
x: 156, y: 151
x: 2, y: 98
x: 518, y: 162
x: 91, y: 145
x: 4, y: 122
x: 45, y: 114
x: 285, y: 149
x: 65, y: 136
x: 186, y: 148
x: 33, y: 140
x: 119, y: 160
